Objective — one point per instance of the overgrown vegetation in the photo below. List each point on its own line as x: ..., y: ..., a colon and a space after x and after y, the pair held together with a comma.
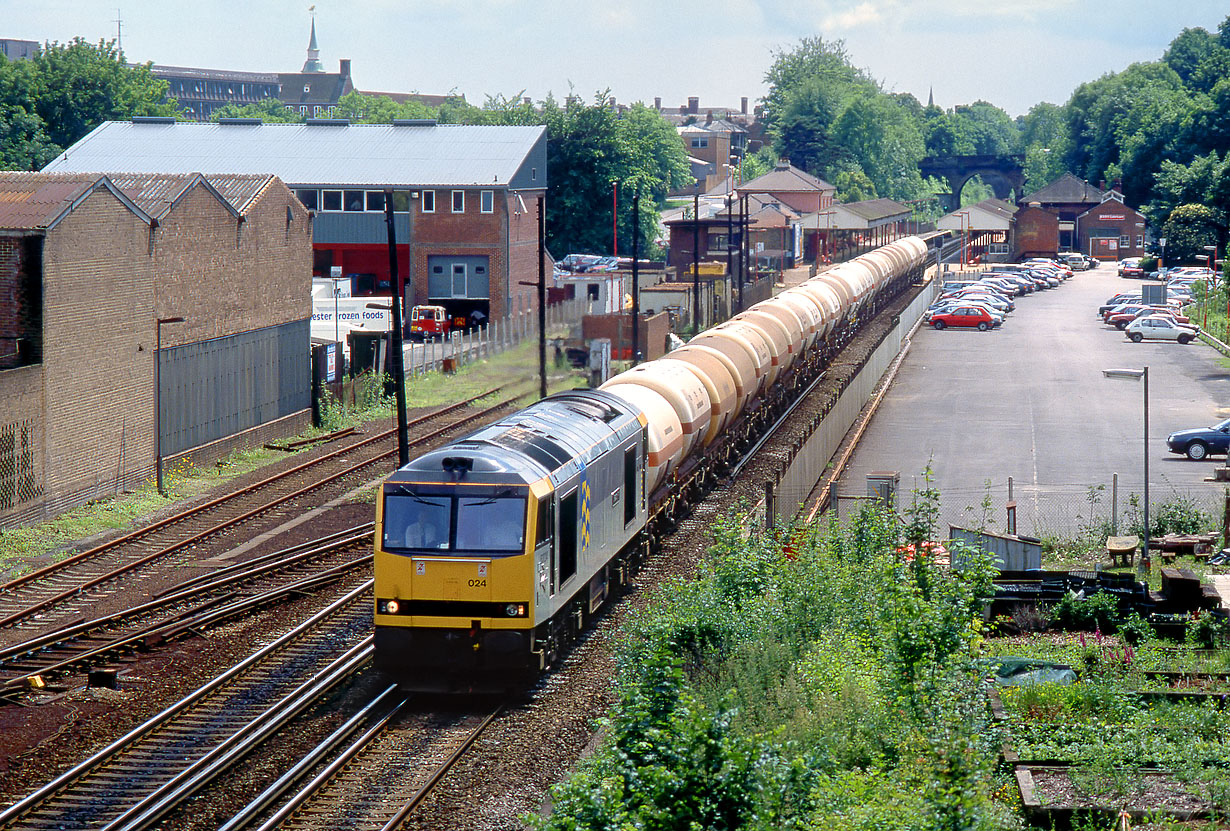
x: 832, y: 686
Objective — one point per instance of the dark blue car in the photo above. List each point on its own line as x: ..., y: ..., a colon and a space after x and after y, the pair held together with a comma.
x: 1199, y: 443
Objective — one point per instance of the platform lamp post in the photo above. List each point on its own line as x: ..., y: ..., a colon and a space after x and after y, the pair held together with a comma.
x: 1135, y: 375
x: 158, y: 400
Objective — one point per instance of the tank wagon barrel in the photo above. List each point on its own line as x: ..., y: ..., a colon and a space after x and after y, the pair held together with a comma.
x: 492, y: 553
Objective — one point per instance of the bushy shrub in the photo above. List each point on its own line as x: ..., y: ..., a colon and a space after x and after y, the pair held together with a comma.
x: 1076, y: 611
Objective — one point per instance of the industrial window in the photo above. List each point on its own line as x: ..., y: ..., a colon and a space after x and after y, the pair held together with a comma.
x: 700, y: 142
x: 429, y: 202
x: 487, y: 201
x: 567, y: 537
x: 331, y: 200
x: 459, y: 201
x: 401, y: 201
x: 1125, y: 241
x: 375, y: 200
x: 630, y: 484
x: 354, y: 200
x: 533, y: 174
x: 309, y: 198
x: 1140, y: 240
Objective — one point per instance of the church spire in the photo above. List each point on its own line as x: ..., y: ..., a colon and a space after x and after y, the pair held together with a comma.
x: 313, y: 64
x: 930, y: 90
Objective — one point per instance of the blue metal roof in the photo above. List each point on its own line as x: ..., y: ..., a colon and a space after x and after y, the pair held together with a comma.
x: 359, y: 155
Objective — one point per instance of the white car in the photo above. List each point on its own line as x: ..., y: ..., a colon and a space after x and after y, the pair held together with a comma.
x: 1158, y: 327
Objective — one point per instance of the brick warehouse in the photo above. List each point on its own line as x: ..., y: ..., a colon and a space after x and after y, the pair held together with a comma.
x: 88, y: 265
x: 464, y: 196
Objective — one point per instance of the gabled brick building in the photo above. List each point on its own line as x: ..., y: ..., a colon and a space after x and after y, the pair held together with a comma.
x: 89, y: 265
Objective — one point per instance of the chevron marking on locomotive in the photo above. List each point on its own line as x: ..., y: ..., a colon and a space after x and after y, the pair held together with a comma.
x: 584, y: 488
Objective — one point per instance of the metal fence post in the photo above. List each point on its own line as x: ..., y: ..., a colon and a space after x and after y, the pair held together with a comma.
x: 1114, y: 504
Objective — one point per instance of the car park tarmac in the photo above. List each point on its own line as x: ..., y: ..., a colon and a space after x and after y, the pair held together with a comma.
x: 1029, y: 401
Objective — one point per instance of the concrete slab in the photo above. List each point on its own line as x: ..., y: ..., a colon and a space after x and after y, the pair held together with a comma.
x: 1029, y: 401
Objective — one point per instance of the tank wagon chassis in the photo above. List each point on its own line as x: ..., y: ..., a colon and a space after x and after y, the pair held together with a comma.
x: 495, y: 552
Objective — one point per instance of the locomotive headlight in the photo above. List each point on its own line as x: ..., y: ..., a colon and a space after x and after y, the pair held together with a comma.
x: 515, y: 610
x: 391, y: 607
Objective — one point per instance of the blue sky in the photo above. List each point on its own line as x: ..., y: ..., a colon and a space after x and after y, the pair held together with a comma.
x: 1013, y: 53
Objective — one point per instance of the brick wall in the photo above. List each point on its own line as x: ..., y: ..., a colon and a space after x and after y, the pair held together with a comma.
x: 10, y: 264
x: 89, y: 407
x: 98, y: 349
x: 508, y: 237
x: 225, y: 276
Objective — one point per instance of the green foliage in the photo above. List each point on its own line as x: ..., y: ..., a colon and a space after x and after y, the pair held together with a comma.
x: 1205, y: 631
x: 64, y: 92
x: 270, y: 110
x: 1135, y: 630
x: 768, y: 693
x: 1188, y: 229
x: 1098, y: 611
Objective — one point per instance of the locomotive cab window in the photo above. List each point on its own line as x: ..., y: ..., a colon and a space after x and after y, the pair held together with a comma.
x: 438, y: 519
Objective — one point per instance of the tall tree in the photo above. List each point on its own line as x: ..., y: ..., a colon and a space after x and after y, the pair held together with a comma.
x: 74, y: 87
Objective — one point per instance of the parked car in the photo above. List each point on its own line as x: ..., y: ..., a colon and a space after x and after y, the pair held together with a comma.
x: 951, y: 306
x: 1130, y: 267
x: 1157, y: 327
x: 972, y: 316
x: 1122, y: 320
x: 1118, y: 300
x: 1198, y: 443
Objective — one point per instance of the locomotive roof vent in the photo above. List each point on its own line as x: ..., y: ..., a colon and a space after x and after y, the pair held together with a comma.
x: 455, y: 464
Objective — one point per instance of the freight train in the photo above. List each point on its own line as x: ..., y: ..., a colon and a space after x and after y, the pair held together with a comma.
x: 493, y: 552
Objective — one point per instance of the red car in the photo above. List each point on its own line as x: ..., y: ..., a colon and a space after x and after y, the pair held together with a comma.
x: 1120, y: 321
x: 966, y: 316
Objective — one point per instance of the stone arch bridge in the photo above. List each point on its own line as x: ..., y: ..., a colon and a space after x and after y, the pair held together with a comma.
x: 1005, y: 174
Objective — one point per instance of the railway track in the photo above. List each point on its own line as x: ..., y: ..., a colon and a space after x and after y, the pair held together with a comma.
x: 191, y: 608
x: 62, y: 594
x: 376, y: 780
x: 142, y: 777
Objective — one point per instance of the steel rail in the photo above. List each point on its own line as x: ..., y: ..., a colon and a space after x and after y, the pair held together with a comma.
x: 33, y: 800
x: 213, y: 503
x: 93, y: 582
x: 238, y: 574
x: 198, y: 618
x: 170, y: 794
x: 406, y: 810
x: 284, y: 783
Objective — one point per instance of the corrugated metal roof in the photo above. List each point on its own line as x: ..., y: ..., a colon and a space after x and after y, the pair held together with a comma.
x: 155, y: 193
x: 31, y: 201
x: 360, y: 155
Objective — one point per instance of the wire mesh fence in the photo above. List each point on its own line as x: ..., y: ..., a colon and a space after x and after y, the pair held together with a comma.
x: 1063, y: 510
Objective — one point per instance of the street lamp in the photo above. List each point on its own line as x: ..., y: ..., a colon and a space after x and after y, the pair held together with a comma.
x: 1137, y: 374
x: 158, y: 399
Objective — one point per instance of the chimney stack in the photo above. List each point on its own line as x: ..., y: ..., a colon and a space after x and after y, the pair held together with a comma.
x: 693, y: 105
x: 743, y: 105
x: 657, y: 103
x: 345, y: 67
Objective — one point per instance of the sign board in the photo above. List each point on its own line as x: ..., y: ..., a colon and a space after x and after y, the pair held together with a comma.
x: 1153, y: 294
x: 331, y: 361
x: 335, y: 272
